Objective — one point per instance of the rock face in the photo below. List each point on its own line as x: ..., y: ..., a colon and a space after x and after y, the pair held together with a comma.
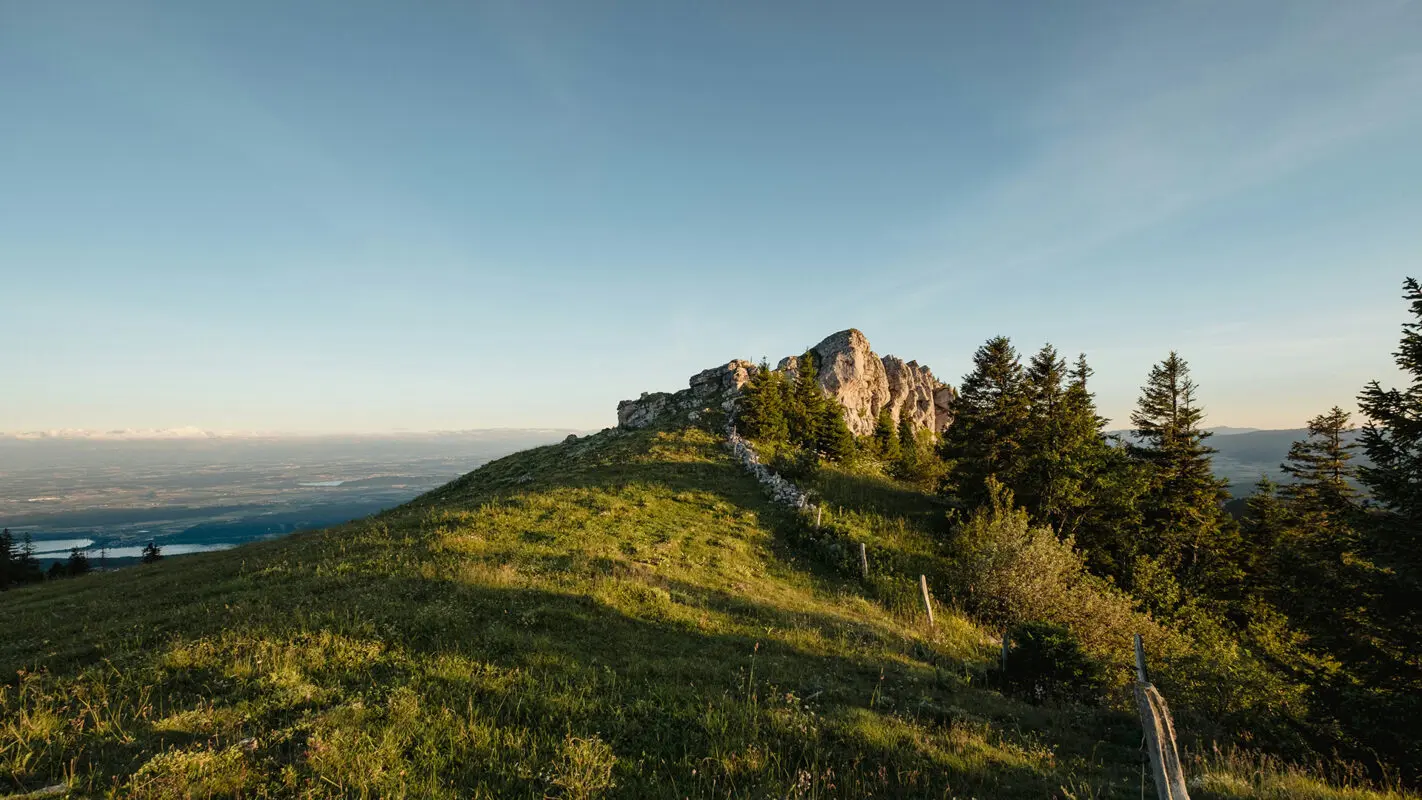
x: 846, y: 369
x: 717, y: 386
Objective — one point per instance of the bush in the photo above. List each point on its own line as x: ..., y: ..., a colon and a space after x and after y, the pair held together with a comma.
x: 795, y: 464
x: 1045, y: 661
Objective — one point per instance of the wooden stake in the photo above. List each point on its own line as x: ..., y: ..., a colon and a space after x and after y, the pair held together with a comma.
x: 1161, y: 750
x: 864, y: 560
x: 928, y: 604
x: 818, y: 510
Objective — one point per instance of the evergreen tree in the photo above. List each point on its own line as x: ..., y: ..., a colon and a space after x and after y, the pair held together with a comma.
x: 1263, y: 524
x: 56, y: 570
x: 989, y: 423
x: 9, y: 560
x: 29, y: 566
x: 886, y: 437
x: 77, y: 564
x: 1321, y: 468
x: 1185, y: 528
x: 152, y: 553
x: 1385, y: 654
x: 806, y: 410
x: 762, y: 406
x: 835, y: 439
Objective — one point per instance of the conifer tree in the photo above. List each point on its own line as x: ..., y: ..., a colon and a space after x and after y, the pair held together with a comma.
x: 806, y: 411
x: 989, y: 421
x: 1184, y: 524
x: 77, y: 564
x: 835, y: 439
x: 762, y: 406
x: 1322, y: 469
x: 29, y: 566
x: 1264, y: 522
x: 886, y: 437
x: 152, y: 553
x: 1385, y: 651
x: 9, y: 561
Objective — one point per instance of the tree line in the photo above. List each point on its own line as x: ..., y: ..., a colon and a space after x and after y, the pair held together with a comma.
x: 1318, y: 581
x: 19, y: 565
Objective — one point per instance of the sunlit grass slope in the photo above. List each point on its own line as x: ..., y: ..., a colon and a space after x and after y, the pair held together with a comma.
x: 618, y: 616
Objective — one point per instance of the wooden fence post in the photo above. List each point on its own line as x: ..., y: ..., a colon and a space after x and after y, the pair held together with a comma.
x: 1159, y: 735
x: 928, y: 604
x: 818, y: 511
x: 864, y: 560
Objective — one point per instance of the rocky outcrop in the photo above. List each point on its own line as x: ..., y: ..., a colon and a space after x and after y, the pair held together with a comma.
x: 715, y: 387
x: 847, y: 369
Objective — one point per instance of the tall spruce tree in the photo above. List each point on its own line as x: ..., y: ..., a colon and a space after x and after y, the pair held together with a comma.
x: 1184, y: 528
x: 989, y: 424
x: 835, y: 439
x: 1322, y: 469
x: 806, y: 410
x: 886, y: 437
x: 1261, y: 526
x: 762, y: 406
x: 1387, y: 652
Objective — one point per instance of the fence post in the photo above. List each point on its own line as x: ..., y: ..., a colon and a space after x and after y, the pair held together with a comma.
x: 864, y: 560
x: 818, y: 511
x: 928, y: 604
x: 1159, y: 732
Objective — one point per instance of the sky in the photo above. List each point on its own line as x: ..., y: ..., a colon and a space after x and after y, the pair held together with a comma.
x: 363, y: 216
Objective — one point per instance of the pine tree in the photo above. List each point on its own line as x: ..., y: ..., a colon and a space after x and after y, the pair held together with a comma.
x: 762, y: 406
x: 1321, y: 468
x: 1390, y: 565
x: 989, y: 422
x: 835, y: 439
x: 152, y: 553
x: 29, y: 566
x: 1184, y: 525
x: 806, y: 411
x: 77, y: 564
x: 886, y: 437
x: 9, y: 561
x: 1265, y: 521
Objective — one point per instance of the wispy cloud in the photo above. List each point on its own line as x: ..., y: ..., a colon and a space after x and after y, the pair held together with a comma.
x: 1150, y: 122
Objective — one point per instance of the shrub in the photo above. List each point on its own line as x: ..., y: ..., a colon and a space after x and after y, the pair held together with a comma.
x: 1045, y: 661
x: 795, y: 464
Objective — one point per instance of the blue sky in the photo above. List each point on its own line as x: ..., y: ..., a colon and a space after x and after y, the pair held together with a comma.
x: 373, y: 216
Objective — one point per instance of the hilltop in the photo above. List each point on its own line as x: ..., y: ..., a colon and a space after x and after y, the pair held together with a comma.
x: 623, y: 614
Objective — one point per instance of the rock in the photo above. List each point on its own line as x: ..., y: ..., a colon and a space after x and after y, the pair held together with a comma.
x: 717, y: 386
x: 847, y: 369
x: 850, y: 372
x: 572, y: 437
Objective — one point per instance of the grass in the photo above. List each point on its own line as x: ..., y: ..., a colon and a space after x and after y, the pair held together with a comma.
x: 620, y: 616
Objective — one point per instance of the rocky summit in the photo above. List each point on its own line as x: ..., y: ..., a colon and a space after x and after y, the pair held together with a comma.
x: 847, y: 369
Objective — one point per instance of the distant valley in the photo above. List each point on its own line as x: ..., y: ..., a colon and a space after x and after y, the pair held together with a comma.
x: 109, y: 494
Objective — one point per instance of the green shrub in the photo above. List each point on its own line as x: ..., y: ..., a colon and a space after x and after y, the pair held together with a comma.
x: 1045, y: 662
x: 796, y: 464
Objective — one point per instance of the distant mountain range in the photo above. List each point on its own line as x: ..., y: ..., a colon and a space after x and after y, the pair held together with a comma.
x: 1247, y: 454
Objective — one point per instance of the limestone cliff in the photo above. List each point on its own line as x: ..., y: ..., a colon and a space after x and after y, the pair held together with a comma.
x: 847, y: 369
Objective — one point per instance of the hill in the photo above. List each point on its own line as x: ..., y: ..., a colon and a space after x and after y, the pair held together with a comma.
x: 625, y: 615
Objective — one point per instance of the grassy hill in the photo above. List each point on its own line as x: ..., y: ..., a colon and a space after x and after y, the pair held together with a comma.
x: 625, y: 615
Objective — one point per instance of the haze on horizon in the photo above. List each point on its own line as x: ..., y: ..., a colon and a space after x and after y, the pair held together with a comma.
x: 368, y: 217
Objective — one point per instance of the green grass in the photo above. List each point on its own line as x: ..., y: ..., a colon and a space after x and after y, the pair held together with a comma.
x: 622, y: 616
